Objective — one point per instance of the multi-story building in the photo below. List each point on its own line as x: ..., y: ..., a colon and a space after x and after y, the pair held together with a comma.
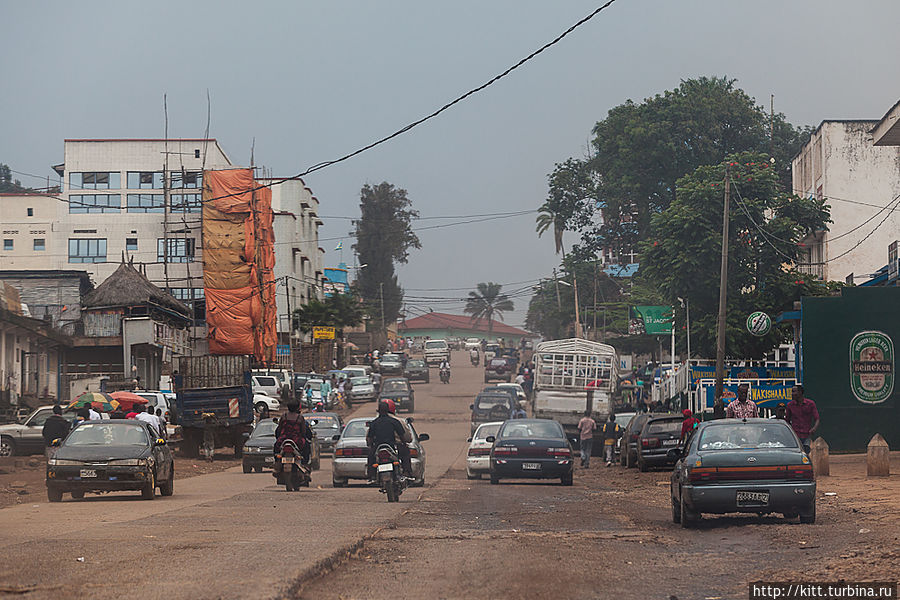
x: 861, y: 183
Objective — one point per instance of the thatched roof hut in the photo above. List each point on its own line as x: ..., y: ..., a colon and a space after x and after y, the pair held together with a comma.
x: 128, y: 287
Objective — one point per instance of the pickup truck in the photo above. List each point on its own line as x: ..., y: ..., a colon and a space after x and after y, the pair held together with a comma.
x: 437, y: 351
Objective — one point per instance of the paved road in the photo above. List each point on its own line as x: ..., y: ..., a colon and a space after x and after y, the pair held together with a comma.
x: 215, y: 538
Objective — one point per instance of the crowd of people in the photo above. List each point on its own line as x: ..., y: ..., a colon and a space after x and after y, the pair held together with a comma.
x: 58, y: 427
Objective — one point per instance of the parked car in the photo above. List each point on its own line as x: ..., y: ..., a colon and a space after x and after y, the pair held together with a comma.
x: 473, y: 343
x: 391, y: 364
x: 622, y: 420
x: 491, y: 405
x: 259, y: 449
x: 417, y: 370
x: 753, y: 466
x: 326, y: 425
x: 400, y: 391
x: 497, y: 368
x: 630, y: 438
x: 351, y: 454
x: 478, y: 457
x: 363, y: 389
x: 111, y: 455
x: 159, y: 400
x: 659, y: 435
x: 531, y: 448
x: 266, y: 384
x: 26, y: 437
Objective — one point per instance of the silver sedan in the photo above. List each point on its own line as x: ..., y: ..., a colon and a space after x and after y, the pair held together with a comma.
x: 351, y: 454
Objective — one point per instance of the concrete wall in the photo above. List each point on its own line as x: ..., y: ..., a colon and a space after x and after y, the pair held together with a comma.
x: 841, y: 164
x: 56, y: 295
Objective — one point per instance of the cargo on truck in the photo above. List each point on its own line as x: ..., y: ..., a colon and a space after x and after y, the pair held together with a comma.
x: 213, y: 385
x: 572, y: 376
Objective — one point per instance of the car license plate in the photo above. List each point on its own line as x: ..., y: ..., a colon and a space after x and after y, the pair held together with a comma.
x: 531, y: 466
x: 288, y: 460
x: 270, y: 459
x: 753, y: 497
x: 385, y: 467
x: 670, y: 442
x: 88, y: 473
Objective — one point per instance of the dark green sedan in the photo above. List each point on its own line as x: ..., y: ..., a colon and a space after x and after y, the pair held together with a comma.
x: 747, y: 465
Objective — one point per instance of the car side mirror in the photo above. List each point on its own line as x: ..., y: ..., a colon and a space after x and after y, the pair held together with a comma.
x: 275, y: 419
x: 409, y: 419
x: 160, y: 442
x: 246, y: 434
x: 336, y: 437
x: 56, y: 442
x: 471, y: 407
x: 674, y: 453
x: 469, y: 440
x: 424, y: 437
x: 490, y: 439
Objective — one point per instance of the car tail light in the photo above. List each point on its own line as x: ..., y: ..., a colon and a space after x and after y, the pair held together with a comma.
x: 801, y: 472
x: 559, y: 452
x: 700, y: 474
x: 650, y: 443
x: 351, y: 452
x: 414, y: 453
x: 505, y: 451
x: 479, y: 451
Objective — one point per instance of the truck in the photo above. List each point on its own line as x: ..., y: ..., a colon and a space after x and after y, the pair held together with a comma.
x: 218, y: 386
x: 436, y: 351
x: 571, y: 376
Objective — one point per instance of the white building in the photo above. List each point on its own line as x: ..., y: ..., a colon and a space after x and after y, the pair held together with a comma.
x: 858, y: 179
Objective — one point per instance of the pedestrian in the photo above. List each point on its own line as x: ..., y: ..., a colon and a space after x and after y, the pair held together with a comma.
x: 781, y: 411
x: 802, y: 414
x: 93, y: 415
x: 161, y: 421
x: 689, y: 424
x: 610, y: 433
x: 520, y: 378
x: 586, y: 427
x: 519, y: 412
x: 148, y: 417
x: 742, y: 407
x: 55, y: 428
x: 325, y: 390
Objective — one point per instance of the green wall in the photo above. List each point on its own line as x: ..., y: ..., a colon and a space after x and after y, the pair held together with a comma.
x: 827, y: 327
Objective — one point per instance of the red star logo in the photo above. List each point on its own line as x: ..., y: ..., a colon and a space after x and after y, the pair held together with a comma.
x: 873, y: 354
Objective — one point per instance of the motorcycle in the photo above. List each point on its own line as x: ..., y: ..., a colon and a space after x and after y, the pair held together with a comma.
x: 445, y: 375
x: 289, y: 468
x: 390, y: 477
x: 474, y: 359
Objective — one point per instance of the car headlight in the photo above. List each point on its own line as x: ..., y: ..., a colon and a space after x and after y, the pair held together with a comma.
x: 62, y: 462
x: 130, y: 462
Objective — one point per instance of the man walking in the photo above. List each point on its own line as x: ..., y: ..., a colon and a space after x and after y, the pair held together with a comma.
x: 586, y: 427
x: 55, y: 427
x: 742, y: 407
x: 610, y: 435
x: 803, y: 416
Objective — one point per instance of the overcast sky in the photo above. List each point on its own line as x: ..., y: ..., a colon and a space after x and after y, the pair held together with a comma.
x: 312, y: 81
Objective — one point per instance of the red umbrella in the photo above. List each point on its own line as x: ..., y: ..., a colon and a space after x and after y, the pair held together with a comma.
x: 127, y: 400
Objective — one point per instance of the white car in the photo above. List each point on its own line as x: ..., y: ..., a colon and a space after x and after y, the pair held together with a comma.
x: 315, y: 386
x: 520, y: 393
x: 266, y: 384
x: 261, y: 401
x: 478, y: 458
x: 473, y: 344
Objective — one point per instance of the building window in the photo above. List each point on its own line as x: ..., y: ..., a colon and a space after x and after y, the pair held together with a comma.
x: 95, y: 203
x: 185, y: 203
x: 30, y: 212
x: 186, y: 294
x: 7, y: 244
x: 145, y: 180
x: 95, y: 181
x: 131, y: 244
x: 87, y: 251
x: 186, y: 179
x: 180, y: 250
x: 39, y: 244
x: 146, y: 203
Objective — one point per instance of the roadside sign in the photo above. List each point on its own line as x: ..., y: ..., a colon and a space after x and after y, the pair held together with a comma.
x: 650, y: 320
x: 871, y: 366
x: 759, y: 323
x: 323, y: 333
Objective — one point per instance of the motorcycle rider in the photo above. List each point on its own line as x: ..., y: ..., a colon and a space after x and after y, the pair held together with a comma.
x: 473, y: 355
x: 445, y: 366
x: 294, y: 427
x: 388, y: 429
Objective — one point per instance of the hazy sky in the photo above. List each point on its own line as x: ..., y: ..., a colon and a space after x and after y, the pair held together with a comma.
x: 314, y: 80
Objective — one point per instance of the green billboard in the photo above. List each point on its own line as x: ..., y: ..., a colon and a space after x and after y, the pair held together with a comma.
x: 650, y: 320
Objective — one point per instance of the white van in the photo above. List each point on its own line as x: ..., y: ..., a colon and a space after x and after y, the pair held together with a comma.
x: 436, y: 351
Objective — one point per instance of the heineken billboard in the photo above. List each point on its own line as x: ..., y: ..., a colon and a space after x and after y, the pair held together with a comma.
x: 871, y: 366
x: 650, y: 320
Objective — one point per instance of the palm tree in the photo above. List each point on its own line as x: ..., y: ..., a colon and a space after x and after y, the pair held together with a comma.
x: 549, y: 218
x: 487, y: 301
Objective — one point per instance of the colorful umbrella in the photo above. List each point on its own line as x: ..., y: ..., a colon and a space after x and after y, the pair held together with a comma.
x: 98, y: 400
x: 127, y: 400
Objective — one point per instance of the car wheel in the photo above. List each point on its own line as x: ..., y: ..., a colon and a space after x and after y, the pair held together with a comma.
x: 629, y: 459
x: 259, y: 469
x: 676, y: 510
x: 790, y: 515
x: 494, y: 479
x: 315, y: 463
x: 148, y: 492
x: 623, y: 456
x: 167, y: 488
x: 7, y: 446
x: 471, y: 475
x: 260, y: 407
x: 644, y: 467
x: 247, y: 468
x: 54, y: 494
x: 687, y: 518
x: 78, y: 495
x: 411, y: 408
x: 809, y: 516
x: 567, y: 479
x: 338, y: 482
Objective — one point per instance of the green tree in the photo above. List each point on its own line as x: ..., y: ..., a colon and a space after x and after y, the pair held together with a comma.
x: 487, y: 302
x: 384, y: 237
x: 338, y: 311
x: 681, y: 257
x: 570, y: 187
x: 7, y: 183
x: 641, y: 150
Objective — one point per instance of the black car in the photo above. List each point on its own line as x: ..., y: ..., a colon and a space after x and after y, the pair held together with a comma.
x: 490, y: 406
x: 391, y: 364
x: 400, y: 391
x: 659, y: 435
x: 533, y: 449
x: 326, y: 425
x: 630, y: 436
x: 498, y: 369
x: 111, y: 455
x: 299, y: 381
x: 513, y: 396
x: 417, y: 370
x: 259, y: 448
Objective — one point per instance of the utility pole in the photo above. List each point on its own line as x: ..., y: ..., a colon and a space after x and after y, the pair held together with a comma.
x: 578, y: 331
x: 290, y: 327
x: 381, y: 294
x: 558, y: 301
x: 723, y: 289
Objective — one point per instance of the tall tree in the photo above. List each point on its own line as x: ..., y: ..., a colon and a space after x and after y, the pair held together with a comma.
x: 486, y: 302
x: 570, y: 188
x: 338, y: 311
x: 384, y: 237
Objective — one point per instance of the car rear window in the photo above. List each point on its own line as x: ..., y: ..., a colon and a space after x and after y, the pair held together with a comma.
x: 487, y: 402
x: 436, y: 344
x: 264, y: 429
x: 666, y: 426
x: 266, y: 381
x: 486, y: 430
x: 395, y: 386
x: 531, y: 430
x: 746, y: 436
x: 321, y: 421
x: 356, y: 429
x: 415, y: 363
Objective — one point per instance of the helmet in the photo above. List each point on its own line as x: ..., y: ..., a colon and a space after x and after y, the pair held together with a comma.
x: 319, y: 407
x: 392, y: 407
x: 686, y: 412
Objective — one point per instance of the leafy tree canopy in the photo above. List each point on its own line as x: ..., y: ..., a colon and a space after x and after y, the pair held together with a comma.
x: 338, y: 311
x: 8, y: 184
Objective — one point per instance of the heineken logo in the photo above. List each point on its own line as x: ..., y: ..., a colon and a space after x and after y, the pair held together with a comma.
x: 759, y: 323
x: 871, y: 366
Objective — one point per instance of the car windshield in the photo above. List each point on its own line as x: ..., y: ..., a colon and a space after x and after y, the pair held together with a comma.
x: 322, y: 421
x: 746, y: 436
x: 105, y: 434
x: 490, y: 401
x: 531, y: 430
x: 486, y: 430
x: 665, y: 426
x: 395, y: 386
x: 440, y: 344
x: 360, y: 381
x: 498, y: 362
x: 415, y: 363
x: 264, y: 429
x: 390, y: 357
x: 356, y: 429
